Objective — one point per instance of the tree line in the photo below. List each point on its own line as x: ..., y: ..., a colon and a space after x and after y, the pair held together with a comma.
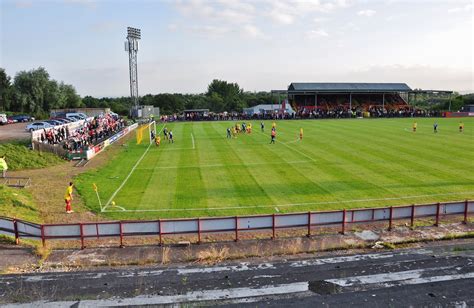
x: 34, y: 92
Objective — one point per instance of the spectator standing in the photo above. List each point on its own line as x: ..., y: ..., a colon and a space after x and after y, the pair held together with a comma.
x: 68, y: 198
x: 3, y: 166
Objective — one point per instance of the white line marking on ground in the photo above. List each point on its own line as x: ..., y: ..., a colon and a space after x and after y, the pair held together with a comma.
x: 227, y: 165
x: 192, y: 138
x: 235, y: 268
x: 341, y: 259
x: 296, y: 150
x: 297, y: 204
x: 276, y: 209
x: 191, y: 296
x: 400, y: 278
x: 130, y: 174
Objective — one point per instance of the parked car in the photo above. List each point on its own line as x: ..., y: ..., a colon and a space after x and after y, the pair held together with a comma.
x: 37, y: 125
x: 22, y: 118
x: 3, y: 119
x: 11, y: 120
x: 62, y: 121
x: 54, y: 122
x: 65, y: 120
x: 73, y: 118
x: 79, y: 115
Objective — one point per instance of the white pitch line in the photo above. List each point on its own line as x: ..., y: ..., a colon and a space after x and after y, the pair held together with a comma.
x: 192, y: 138
x: 130, y: 174
x: 296, y: 204
x: 296, y: 150
x: 227, y: 165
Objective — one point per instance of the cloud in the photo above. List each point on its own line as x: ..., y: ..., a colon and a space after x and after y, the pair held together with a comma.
x: 285, y: 12
x: 466, y: 8
x: 252, y: 31
x: 366, y: 13
x: 317, y: 33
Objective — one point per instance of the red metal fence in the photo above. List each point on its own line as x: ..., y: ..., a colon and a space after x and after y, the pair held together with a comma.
x: 236, y: 224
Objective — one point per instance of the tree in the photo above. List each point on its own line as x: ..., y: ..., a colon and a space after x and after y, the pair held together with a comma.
x: 230, y: 93
x: 5, y: 90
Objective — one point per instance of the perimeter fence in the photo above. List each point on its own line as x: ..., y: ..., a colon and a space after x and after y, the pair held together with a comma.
x: 235, y: 224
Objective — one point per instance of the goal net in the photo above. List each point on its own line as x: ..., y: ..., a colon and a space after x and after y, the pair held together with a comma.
x: 146, y: 133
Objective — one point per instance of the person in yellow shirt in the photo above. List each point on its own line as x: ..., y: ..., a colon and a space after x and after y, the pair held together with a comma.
x: 68, y: 198
x: 301, y: 133
x: 461, y: 127
x: 158, y: 140
x: 3, y: 166
x: 274, y: 125
x: 414, y: 126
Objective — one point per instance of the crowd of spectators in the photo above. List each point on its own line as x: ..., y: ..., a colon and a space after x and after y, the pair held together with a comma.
x: 90, y: 133
x: 310, y: 112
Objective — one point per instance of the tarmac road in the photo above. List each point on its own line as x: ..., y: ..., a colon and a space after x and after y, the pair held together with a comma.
x: 438, y: 275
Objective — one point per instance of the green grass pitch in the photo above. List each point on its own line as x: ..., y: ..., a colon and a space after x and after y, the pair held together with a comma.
x: 338, y: 164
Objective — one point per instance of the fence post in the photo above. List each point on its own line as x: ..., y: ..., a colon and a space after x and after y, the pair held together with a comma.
x: 97, y: 230
x: 15, y: 227
x: 390, y: 219
x: 160, y: 230
x: 199, y: 230
x: 437, y: 214
x: 273, y: 226
x: 43, y: 240
x: 412, y: 221
x: 343, y: 231
x: 466, y: 206
x: 82, y: 235
x: 309, y: 224
x: 121, y: 234
x: 236, y: 228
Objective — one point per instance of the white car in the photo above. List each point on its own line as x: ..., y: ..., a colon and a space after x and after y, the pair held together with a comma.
x: 37, y: 125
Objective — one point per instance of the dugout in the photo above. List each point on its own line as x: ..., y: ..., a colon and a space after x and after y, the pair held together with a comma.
x: 195, y: 114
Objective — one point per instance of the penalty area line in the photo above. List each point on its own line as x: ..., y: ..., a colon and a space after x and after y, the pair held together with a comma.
x: 129, y: 175
x: 192, y: 138
x: 294, y: 204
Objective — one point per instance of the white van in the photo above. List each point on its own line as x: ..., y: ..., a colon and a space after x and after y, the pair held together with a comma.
x: 3, y: 119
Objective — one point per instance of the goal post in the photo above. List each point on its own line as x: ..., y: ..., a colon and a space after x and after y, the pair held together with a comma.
x: 144, y: 132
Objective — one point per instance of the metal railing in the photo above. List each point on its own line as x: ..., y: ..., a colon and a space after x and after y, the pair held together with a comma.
x: 15, y: 181
x: 235, y: 224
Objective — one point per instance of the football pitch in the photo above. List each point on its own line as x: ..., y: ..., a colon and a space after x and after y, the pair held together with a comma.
x: 338, y: 164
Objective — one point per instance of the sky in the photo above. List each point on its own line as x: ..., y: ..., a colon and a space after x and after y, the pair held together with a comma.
x: 261, y: 44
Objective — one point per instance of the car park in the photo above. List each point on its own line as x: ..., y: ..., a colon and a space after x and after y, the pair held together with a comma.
x: 37, y: 125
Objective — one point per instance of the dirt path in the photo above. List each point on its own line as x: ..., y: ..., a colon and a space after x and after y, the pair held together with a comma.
x: 49, y: 184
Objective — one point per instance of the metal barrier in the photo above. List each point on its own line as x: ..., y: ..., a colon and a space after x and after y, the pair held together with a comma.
x: 15, y: 181
x: 237, y: 224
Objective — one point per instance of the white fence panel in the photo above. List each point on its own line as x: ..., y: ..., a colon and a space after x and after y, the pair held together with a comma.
x: 141, y: 227
x: 425, y: 210
x: 255, y: 222
x: 291, y: 220
x: 326, y: 218
x: 218, y: 224
x: 30, y: 229
x: 90, y: 230
x: 7, y: 227
x: 109, y: 229
x: 382, y: 214
x: 179, y: 226
x: 357, y: 216
x: 401, y: 212
x: 453, y: 208
x: 62, y: 231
